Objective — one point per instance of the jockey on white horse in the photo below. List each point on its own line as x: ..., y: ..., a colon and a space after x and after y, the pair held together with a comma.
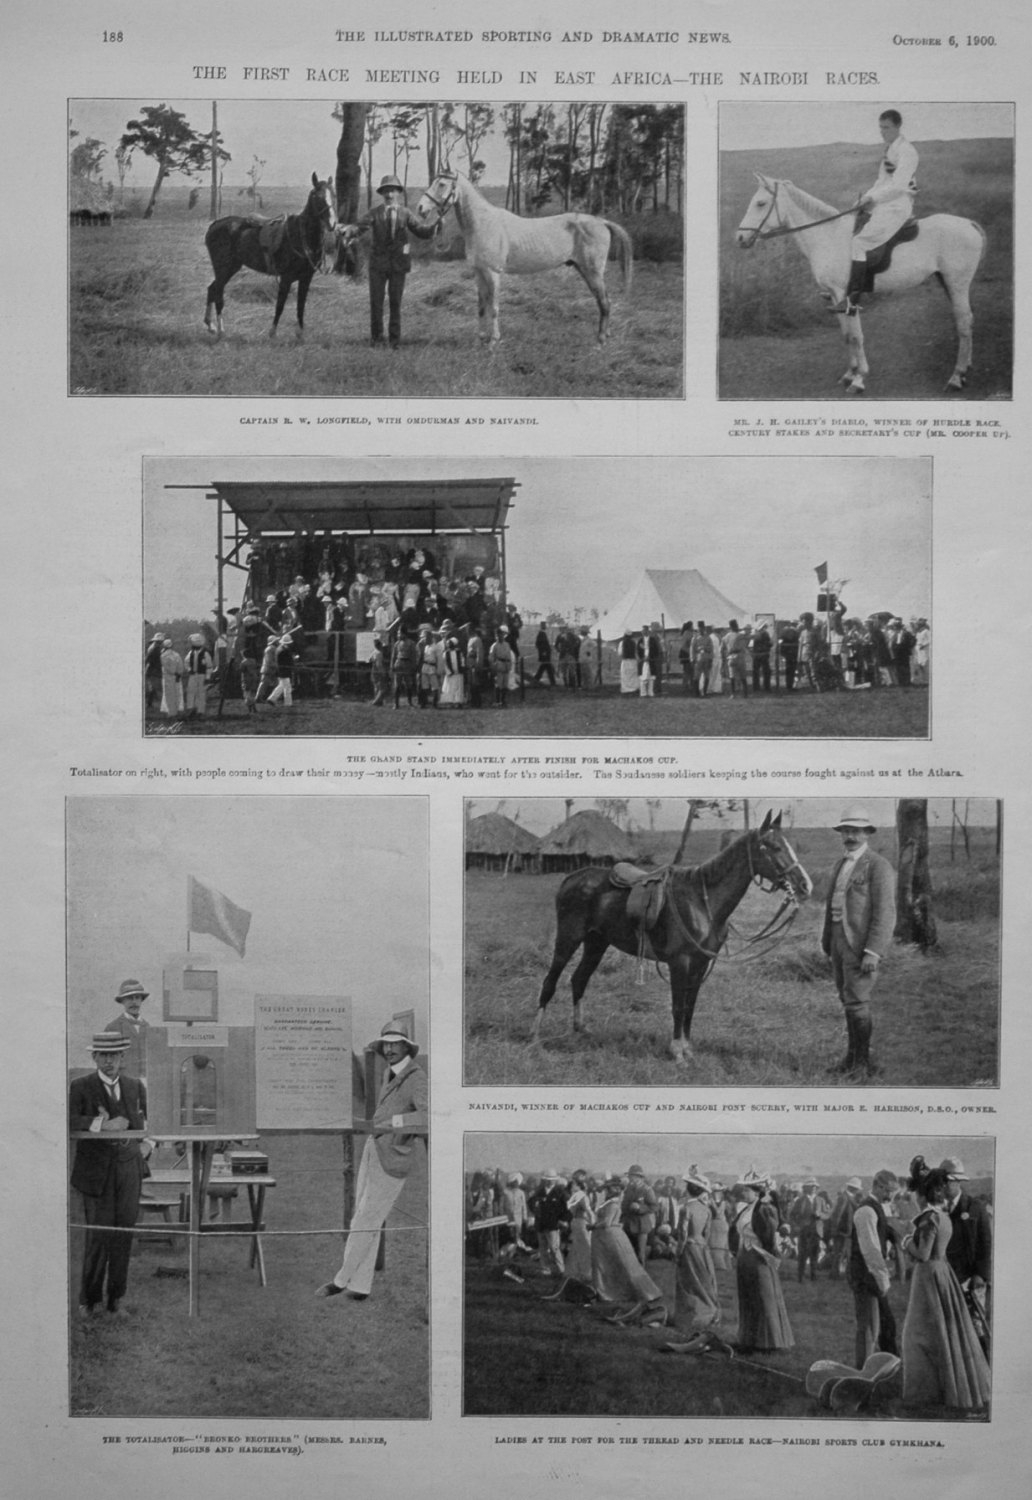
x: 890, y: 201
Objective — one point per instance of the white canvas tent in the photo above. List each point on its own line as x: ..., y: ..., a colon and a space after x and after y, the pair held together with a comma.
x: 669, y: 596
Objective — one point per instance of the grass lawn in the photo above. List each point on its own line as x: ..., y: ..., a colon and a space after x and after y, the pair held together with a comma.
x: 773, y: 1022
x: 524, y: 1357
x: 602, y: 712
x: 137, y: 298
x: 273, y: 1351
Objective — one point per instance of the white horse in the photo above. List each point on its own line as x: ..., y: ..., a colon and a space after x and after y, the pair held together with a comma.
x: 946, y: 246
x: 498, y: 241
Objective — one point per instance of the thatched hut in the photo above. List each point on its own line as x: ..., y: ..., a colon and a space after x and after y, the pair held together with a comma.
x: 497, y: 843
x: 588, y: 838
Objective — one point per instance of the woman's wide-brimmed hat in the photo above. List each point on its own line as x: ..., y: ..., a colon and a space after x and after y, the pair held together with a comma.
x: 390, y: 181
x: 392, y: 1032
x: 752, y: 1179
x: 694, y: 1178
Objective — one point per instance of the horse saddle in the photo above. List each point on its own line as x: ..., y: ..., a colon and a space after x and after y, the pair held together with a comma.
x: 646, y: 892
x: 880, y: 259
x: 272, y: 240
x: 841, y: 1387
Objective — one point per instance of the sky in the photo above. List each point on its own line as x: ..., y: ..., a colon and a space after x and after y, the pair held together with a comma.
x: 722, y: 1155
x: 541, y: 814
x: 294, y: 138
x: 582, y: 529
x: 323, y: 877
x: 754, y: 125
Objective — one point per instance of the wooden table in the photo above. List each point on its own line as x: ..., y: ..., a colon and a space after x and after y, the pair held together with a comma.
x: 195, y: 1177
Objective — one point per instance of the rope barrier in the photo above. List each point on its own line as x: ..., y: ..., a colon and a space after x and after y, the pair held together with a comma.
x: 208, y: 1230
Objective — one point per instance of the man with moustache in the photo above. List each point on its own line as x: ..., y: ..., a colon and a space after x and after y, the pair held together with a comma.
x: 859, y: 918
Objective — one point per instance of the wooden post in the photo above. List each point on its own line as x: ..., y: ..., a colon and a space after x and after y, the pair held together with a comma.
x: 214, y: 211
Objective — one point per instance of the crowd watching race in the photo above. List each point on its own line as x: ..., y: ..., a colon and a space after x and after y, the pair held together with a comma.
x: 435, y: 633
x: 707, y: 1260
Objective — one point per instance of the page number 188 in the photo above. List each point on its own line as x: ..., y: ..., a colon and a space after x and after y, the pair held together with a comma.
x: 112, y: 36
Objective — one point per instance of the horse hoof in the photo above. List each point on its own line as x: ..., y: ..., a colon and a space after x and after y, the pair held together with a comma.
x: 856, y: 390
x: 956, y: 382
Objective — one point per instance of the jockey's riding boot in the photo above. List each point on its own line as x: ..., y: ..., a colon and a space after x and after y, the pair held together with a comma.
x: 848, y: 1063
x: 862, y: 1063
x: 857, y: 278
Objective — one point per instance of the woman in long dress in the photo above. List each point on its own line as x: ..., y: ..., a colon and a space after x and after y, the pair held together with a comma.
x: 696, y: 1301
x: 943, y: 1362
x: 578, y: 1254
x: 616, y: 1273
x: 762, y: 1317
x: 628, y: 663
x: 719, y: 1209
x: 453, y: 687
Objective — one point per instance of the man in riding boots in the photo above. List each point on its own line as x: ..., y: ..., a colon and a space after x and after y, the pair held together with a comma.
x: 390, y: 257
x: 890, y: 203
x: 859, y: 917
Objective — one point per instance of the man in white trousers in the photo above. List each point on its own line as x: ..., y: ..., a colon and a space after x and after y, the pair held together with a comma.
x: 399, y: 1121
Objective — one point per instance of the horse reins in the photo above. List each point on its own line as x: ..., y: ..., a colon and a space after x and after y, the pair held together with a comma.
x: 316, y: 263
x: 775, y: 928
x: 773, y: 234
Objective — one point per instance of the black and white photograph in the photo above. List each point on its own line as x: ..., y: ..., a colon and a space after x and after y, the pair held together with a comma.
x: 454, y: 249
x: 732, y: 941
x: 816, y: 1278
x: 248, y: 1104
x: 706, y: 597
x: 868, y: 244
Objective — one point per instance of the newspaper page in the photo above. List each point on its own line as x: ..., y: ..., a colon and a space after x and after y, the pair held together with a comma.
x: 517, y: 804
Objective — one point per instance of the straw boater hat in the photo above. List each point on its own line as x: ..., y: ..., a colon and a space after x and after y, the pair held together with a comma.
x: 390, y: 181
x: 953, y: 1167
x: 109, y: 1041
x: 694, y: 1178
x: 129, y: 989
x: 391, y: 1032
x: 856, y: 817
x: 855, y: 1185
x: 550, y: 1176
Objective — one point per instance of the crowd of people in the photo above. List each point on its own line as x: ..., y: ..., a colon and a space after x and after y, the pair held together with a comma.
x: 603, y: 1240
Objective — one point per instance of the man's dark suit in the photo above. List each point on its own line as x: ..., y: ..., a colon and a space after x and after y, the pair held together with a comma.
x: 970, y: 1250
x: 389, y: 263
x: 108, y: 1172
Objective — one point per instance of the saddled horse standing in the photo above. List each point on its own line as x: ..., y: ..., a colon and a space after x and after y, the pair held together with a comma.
x: 941, y: 245
x: 292, y: 248
x: 691, y: 926
x: 498, y: 241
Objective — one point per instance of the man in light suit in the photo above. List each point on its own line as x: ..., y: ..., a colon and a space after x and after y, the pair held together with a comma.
x: 399, y: 1120
x: 108, y: 1171
x: 859, y: 917
x: 131, y: 1025
x: 390, y: 258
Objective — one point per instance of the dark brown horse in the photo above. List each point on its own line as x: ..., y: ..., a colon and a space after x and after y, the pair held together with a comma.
x: 292, y: 249
x: 691, y: 928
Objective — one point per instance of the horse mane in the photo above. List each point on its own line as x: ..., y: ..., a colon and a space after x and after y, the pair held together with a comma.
x: 716, y: 866
x: 814, y: 207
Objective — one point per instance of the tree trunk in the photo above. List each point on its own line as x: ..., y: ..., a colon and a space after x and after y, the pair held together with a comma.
x: 348, y: 177
x: 685, y: 834
x: 162, y: 174
x: 915, y: 921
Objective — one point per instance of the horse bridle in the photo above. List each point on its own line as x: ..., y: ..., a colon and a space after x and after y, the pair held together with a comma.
x: 777, y: 927
x: 316, y: 262
x: 773, y: 234
x: 442, y: 205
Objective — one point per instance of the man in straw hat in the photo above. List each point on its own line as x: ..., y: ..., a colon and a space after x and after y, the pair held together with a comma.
x: 548, y: 1207
x: 388, y: 1157
x: 130, y: 1024
x: 390, y: 257
x: 108, y: 1170
x: 859, y: 917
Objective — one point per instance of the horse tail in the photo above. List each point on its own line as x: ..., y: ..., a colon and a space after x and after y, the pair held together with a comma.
x: 621, y: 240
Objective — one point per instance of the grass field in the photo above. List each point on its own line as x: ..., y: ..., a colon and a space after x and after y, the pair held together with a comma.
x: 776, y: 1022
x: 277, y: 1351
x: 777, y: 337
x: 524, y: 1357
x: 889, y: 714
x: 137, y: 296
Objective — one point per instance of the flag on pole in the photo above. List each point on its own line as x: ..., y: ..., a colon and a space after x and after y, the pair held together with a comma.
x: 822, y: 572
x: 211, y: 912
